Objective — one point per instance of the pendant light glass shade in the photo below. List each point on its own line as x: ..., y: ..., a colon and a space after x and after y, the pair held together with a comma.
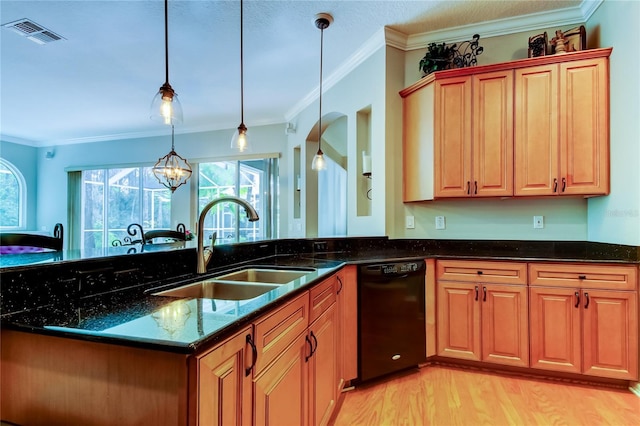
x: 165, y: 106
x: 318, y: 162
x: 172, y: 170
x: 239, y: 141
x: 323, y: 20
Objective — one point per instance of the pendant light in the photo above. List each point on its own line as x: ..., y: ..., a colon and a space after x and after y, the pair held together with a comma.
x: 165, y: 106
x: 172, y: 170
x: 323, y: 20
x: 239, y: 141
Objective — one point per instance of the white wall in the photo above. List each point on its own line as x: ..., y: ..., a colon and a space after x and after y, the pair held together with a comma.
x: 195, y: 147
x: 363, y: 87
x: 616, y: 218
x: 25, y: 158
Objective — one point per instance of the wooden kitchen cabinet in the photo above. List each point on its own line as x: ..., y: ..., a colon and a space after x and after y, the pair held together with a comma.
x: 579, y: 325
x: 348, y: 320
x: 562, y: 128
x: 222, y: 380
x: 281, y: 389
x: 531, y: 127
x: 472, y: 138
x: 323, y: 367
x: 480, y: 319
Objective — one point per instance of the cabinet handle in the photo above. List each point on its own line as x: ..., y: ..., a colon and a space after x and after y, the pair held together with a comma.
x: 476, y: 293
x: 468, y: 187
x: 564, y: 184
x: 479, y: 272
x: 484, y: 294
x: 306, y: 358
x: 254, y: 352
x: 340, y: 281
x: 475, y: 187
x: 582, y: 277
x: 555, y: 185
x: 586, y: 296
x: 577, y: 299
x: 313, y: 336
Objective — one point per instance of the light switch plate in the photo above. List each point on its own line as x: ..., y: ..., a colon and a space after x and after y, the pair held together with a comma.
x: 409, y: 222
x: 440, y: 223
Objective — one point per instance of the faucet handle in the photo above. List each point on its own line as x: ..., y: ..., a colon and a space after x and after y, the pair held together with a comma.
x: 213, y: 239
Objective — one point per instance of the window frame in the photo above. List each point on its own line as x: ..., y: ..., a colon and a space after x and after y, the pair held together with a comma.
x: 22, y: 196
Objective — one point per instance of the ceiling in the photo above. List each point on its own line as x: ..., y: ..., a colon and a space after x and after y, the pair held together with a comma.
x: 98, y: 82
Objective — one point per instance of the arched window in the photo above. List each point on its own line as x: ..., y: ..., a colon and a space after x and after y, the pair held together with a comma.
x: 13, y: 196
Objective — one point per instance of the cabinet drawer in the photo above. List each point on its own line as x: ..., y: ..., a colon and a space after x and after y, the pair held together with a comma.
x: 482, y: 272
x: 612, y: 277
x: 321, y: 297
x: 274, y: 332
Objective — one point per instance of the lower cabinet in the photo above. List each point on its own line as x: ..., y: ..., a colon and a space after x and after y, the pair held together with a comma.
x: 223, y: 381
x: 323, y: 367
x: 480, y: 320
x: 280, y: 390
x: 584, y: 319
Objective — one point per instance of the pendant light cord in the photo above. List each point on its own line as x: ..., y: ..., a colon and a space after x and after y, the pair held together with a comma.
x: 241, y: 66
x: 320, y: 96
x: 173, y: 147
x: 166, y: 40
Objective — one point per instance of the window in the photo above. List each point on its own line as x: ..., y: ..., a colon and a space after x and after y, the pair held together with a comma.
x: 112, y: 199
x: 252, y: 180
x: 12, y: 197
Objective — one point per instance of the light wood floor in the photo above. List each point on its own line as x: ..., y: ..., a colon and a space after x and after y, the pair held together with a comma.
x: 438, y: 395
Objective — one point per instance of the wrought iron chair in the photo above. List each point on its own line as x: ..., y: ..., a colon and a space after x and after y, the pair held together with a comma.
x: 16, y: 243
x: 155, y: 236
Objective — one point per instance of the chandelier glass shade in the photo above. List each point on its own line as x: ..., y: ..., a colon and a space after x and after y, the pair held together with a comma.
x: 172, y: 170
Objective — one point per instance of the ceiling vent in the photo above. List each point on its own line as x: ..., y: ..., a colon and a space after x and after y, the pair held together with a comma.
x: 32, y: 31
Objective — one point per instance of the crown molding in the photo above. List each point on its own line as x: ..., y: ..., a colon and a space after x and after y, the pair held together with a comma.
x: 393, y: 38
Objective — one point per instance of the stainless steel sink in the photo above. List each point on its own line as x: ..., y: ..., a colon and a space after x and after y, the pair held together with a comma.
x: 264, y: 275
x: 214, y: 289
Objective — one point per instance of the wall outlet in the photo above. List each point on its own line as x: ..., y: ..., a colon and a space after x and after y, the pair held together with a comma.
x: 538, y: 222
x: 440, y: 223
x: 409, y: 222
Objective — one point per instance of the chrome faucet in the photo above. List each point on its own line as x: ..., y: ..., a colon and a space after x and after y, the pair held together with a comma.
x: 204, y: 254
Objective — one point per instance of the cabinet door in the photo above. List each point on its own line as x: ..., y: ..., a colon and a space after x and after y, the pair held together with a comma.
x: 610, y: 327
x: 584, y: 127
x: 323, y: 368
x: 459, y: 320
x: 492, y: 171
x: 280, y: 390
x: 452, y: 148
x: 224, y: 387
x: 418, y: 149
x: 555, y: 329
x: 536, y: 131
x: 505, y: 325
x: 348, y: 297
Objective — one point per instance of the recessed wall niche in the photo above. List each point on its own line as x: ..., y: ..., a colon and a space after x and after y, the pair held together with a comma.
x: 364, y: 175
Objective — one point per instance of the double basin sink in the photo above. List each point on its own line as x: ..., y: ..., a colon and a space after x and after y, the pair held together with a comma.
x: 238, y: 285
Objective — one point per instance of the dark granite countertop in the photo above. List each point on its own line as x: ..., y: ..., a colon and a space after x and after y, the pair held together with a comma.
x: 135, y: 317
x: 110, y: 300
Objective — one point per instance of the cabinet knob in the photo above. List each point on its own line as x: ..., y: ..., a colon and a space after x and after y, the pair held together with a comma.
x: 564, y: 184
x: 586, y: 305
x: 555, y: 185
x: 577, y: 299
x: 582, y: 277
x: 468, y: 188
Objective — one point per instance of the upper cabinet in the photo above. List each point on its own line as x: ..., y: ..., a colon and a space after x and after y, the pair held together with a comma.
x: 536, y: 126
x: 562, y: 129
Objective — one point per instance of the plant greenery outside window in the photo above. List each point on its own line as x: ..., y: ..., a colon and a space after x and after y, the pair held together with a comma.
x: 12, y: 197
x: 114, y: 198
x: 252, y: 180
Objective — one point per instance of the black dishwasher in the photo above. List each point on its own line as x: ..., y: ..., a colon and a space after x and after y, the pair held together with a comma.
x: 391, y: 317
